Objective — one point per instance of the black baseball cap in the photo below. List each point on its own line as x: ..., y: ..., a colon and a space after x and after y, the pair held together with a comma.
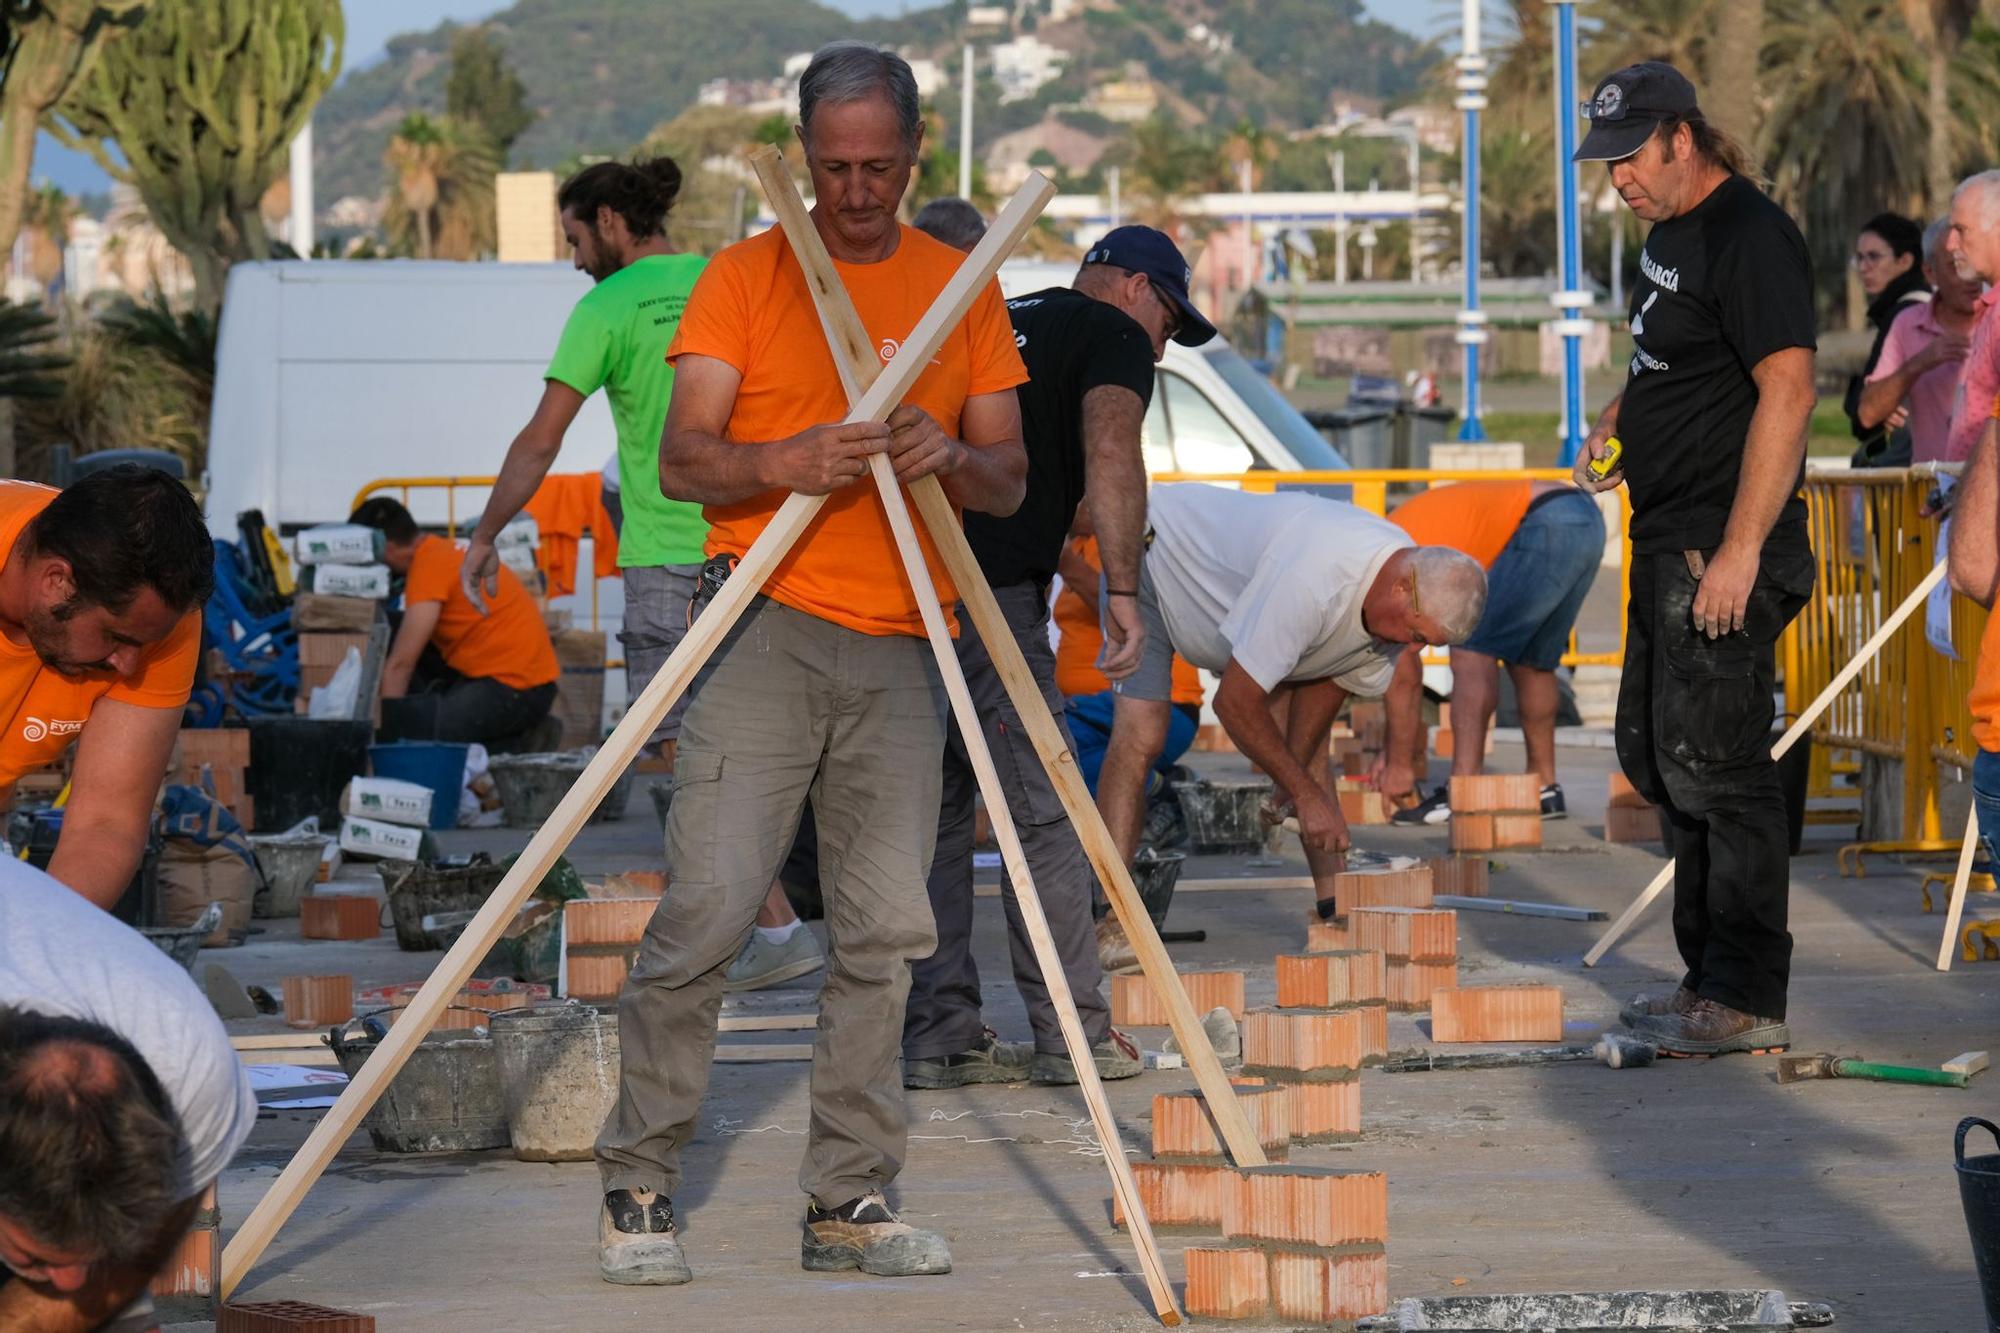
x: 1150, y: 251
x: 1628, y: 106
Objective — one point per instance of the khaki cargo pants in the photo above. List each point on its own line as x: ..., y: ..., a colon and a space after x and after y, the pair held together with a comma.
x: 790, y: 707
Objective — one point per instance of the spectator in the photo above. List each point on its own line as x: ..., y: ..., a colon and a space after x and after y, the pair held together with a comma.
x: 1974, y: 245
x: 1917, y: 374
x: 1888, y: 258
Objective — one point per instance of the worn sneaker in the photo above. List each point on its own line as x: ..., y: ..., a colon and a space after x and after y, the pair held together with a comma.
x: 992, y: 1061
x: 1115, y: 952
x: 1708, y: 1028
x: 1117, y: 1056
x: 636, y: 1242
x: 1641, y: 1007
x: 1433, y: 809
x: 764, y: 964
x: 865, y: 1233
x: 1553, y: 805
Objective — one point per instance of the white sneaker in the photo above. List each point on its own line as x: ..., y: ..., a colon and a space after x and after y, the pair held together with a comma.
x: 764, y: 964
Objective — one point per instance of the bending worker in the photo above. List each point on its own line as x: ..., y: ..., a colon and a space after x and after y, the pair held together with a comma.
x: 1540, y: 543
x: 1292, y: 600
x: 101, y: 589
x: 825, y: 689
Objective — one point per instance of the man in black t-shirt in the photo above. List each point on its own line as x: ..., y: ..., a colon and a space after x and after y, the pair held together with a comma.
x: 1713, y: 420
x: 1090, y: 351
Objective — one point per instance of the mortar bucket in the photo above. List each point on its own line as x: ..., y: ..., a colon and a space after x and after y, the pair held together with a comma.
x: 290, y: 866
x: 532, y: 785
x: 438, y: 765
x: 1222, y: 816
x: 559, y: 1076
x: 445, y: 1098
x: 1979, y: 1191
x: 1154, y: 876
x: 415, y: 891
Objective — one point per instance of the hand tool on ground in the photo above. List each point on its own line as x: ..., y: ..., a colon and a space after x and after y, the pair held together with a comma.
x: 1623, y: 1050
x: 1805, y: 1068
x: 616, y: 754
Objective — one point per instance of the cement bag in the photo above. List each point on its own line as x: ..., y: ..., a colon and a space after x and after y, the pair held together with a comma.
x: 339, y: 544
x: 371, y: 581
x: 192, y: 876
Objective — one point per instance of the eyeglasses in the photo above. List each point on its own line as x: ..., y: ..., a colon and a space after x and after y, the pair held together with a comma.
x: 1173, y: 310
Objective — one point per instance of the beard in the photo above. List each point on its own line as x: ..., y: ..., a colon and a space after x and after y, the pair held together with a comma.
x: 49, y: 637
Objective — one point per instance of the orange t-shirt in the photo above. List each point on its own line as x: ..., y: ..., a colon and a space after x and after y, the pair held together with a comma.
x: 45, y: 709
x: 1984, y: 701
x: 751, y: 309
x: 1080, y: 639
x: 1475, y: 517
x: 510, y: 643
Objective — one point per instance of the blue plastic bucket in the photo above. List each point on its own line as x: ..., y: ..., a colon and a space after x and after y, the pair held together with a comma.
x: 438, y: 765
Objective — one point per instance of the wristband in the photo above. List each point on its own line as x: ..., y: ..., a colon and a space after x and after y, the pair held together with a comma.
x: 1120, y: 592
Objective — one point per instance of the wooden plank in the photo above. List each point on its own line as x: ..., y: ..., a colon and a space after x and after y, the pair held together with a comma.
x: 1967, y: 1064
x: 1959, y: 881
x: 590, y: 788
x: 1513, y: 907
x: 854, y: 353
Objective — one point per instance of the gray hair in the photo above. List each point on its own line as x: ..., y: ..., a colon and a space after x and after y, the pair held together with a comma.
x: 1934, y: 237
x: 852, y: 71
x: 1986, y: 186
x: 1451, y: 589
x: 954, y: 221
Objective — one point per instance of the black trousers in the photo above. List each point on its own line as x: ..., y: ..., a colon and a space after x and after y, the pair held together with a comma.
x: 1694, y: 736
x: 468, y: 708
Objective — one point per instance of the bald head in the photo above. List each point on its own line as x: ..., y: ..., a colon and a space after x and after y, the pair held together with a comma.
x: 1425, y: 594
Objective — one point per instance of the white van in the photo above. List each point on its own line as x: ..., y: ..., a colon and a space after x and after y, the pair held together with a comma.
x: 330, y: 375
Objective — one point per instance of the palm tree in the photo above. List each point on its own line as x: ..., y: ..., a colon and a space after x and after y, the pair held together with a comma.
x: 1730, y: 74
x: 1940, y: 27
x: 1519, y: 79
x: 1517, y: 203
x: 1252, y: 143
x: 1676, y: 31
x: 441, y: 195
x: 1168, y: 162
x: 47, y: 219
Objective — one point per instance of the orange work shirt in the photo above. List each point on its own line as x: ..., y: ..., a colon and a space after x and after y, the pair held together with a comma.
x: 510, y: 643
x: 1080, y: 638
x: 1477, y: 518
x: 751, y: 309
x: 1984, y: 701
x: 46, y: 710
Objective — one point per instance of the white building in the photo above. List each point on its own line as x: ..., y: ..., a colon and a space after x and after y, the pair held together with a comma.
x: 1024, y: 65
x: 929, y: 74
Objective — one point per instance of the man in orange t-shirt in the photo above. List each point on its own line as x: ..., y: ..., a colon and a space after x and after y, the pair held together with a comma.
x: 498, y: 679
x: 1975, y: 573
x: 825, y: 689
x: 100, y: 626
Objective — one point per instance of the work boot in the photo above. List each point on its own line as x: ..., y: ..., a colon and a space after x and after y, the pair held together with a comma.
x: 865, y: 1233
x: 992, y: 1061
x: 636, y: 1242
x: 1115, y: 952
x: 1708, y: 1028
x: 1117, y: 1056
x: 764, y: 964
x: 1641, y: 1007
x: 1433, y: 809
x: 1553, y: 805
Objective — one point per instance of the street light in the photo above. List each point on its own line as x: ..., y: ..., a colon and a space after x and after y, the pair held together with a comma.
x: 1571, y: 302
x: 1471, y: 333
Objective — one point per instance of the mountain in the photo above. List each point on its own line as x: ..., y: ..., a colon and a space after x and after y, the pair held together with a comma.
x: 602, y: 73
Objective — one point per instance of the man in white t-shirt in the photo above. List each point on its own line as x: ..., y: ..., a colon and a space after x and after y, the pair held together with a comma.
x: 1296, y: 602
x: 120, y: 1102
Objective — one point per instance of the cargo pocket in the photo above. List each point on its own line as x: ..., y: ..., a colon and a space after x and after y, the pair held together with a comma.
x: 1710, y: 712
x: 693, y: 817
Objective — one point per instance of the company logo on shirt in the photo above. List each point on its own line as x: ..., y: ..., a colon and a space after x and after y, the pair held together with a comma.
x: 887, y: 351
x: 1639, y: 320
x: 1669, y: 278
x: 35, y: 729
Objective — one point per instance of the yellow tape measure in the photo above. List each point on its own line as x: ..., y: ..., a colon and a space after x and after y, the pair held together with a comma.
x: 1614, y: 453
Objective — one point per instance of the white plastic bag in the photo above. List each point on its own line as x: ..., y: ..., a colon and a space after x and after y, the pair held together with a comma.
x: 336, y: 699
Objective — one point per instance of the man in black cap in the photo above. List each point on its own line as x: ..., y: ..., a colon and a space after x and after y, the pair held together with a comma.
x: 1713, y: 422
x: 1090, y: 350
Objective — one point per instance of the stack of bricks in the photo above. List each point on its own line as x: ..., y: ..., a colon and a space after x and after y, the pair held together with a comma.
x: 1315, y: 1051
x: 601, y: 938
x: 1134, y: 1003
x: 1338, y: 980
x: 1630, y: 817
x: 1496, y: 811
x: 1181, y: 1187
x: 224, y: 752
x: 1302, y: 1244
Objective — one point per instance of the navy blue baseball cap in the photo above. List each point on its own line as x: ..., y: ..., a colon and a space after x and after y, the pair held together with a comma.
x: 1628, y: 106
x: 1149, y: 251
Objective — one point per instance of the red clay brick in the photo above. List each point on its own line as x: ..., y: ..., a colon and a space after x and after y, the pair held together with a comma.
x: 1491, y: 832
x: 1183, y: 1127
x: 1466, y: 876
x: 1306, y: 1205
x: 1496, y: 793
x: 312, y: 1002
x: 1374, y: 1031
x: 337, y: 916
x: 1407, y: 932
x: 1497, y: 1013
x: 291, y: 1317
x: 1226, y: 1284
x: 1333, y: 936
x: 1177, y: 1195
x: 599, y: 976
x: 1322, y: 1043
x: 186, y: 1285
x: 1325, y: 1112
x: 1321, y: 980
x: 1325, y: 1288
x: 1624, y: 796
x: 1411, y: 983
x: 607, y: 920
x: 1627, y: 824
x: 1361, y: 807
x: 1134, y: 1003
x: 1383, y: 888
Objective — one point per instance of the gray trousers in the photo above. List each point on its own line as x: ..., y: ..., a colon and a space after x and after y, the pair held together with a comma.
x: 656, y: 620
x: 790, y: 707
x: 944, y: 1015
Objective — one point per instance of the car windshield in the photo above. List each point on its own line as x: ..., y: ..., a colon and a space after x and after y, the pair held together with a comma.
x: 1278, y: 415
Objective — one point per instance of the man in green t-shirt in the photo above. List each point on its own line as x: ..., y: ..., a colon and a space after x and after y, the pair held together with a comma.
x: 614, y: 216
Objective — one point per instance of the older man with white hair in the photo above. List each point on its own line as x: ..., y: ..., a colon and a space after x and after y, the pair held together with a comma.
x: 1973, y: 242
x: 1294, y: 601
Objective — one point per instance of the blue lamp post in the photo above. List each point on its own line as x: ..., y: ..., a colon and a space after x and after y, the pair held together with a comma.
x: 1571, y: 303
x: 1471, y: 334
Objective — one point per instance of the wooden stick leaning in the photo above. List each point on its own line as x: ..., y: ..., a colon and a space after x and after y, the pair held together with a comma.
x: 1820, y: 704
x: 618, y: 751
x: 1959, y: 882
x: 857, y: 364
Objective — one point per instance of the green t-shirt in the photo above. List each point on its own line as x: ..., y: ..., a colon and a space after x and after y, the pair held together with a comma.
x: 616, y: 339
